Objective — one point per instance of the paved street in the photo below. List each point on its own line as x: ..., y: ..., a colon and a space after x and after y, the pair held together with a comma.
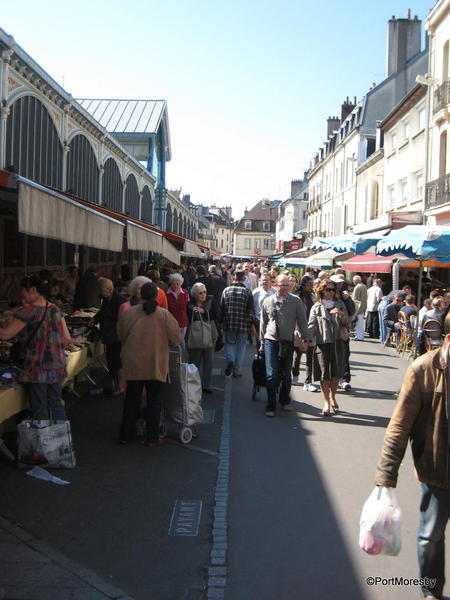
x: 298, y: 483
x: 297, y: 486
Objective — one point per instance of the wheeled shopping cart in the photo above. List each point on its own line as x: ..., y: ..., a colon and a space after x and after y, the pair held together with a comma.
x: 182, y: 398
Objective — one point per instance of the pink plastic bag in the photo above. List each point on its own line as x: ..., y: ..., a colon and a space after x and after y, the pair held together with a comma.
x: 380, y: 524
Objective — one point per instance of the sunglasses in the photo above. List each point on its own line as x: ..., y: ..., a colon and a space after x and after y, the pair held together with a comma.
x: 330, y: 289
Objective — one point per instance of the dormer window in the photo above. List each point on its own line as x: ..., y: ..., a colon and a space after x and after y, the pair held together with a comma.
x: 247, y: 225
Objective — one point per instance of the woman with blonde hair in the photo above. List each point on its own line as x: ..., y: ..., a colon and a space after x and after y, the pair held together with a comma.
x: 328, y: 317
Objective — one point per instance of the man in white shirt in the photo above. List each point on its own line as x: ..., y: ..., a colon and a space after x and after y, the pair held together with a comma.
x: 374, y: 295
x: 359, y: 294
x: 251, y: 280
x: 264, y: 290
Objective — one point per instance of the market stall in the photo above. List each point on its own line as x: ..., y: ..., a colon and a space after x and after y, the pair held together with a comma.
x: 82, y: 354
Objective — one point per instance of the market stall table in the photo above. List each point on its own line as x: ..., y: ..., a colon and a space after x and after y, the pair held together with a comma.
x: 13, y: 400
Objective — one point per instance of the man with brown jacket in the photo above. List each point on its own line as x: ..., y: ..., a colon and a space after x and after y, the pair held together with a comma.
x: 421, y: 416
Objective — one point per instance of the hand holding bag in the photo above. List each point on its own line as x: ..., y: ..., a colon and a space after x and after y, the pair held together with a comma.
x: 380, y: 524
x: 200, y: 336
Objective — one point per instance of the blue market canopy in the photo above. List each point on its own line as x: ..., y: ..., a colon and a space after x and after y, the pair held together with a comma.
x: 346, y: 243
x: 422, y: 242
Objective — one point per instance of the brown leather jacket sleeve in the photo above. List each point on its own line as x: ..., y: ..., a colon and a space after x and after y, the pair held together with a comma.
x: 399, y: 430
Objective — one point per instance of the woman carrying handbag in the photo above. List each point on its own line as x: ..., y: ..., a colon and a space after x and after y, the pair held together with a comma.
x: 327, y: 324
x: 202, y: 333
x: 44, y: 333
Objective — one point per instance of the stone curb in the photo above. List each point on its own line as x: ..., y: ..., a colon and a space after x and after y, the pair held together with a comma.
x: 85, y: 575
x: 217, y: 571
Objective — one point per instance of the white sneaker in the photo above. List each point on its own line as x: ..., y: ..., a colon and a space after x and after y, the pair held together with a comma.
x: 310, y: 387
x: 294, y: 380
x: 345, y: 386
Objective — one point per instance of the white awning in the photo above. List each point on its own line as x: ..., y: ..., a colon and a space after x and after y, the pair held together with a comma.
x: 170, y: 252
x: 191, y: 249
x: 48, y: 214
x: 326, y: 259
x: 141, y: 238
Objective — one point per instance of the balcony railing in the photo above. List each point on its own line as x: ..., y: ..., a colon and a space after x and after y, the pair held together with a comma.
x: 438, y: 192
x: 441, y: 97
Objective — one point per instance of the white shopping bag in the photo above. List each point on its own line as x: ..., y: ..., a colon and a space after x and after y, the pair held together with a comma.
x: 46, y: 443
x: 380, y: 524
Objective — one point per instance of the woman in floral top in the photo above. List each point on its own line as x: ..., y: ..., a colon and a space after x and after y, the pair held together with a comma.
x: 43, y: 331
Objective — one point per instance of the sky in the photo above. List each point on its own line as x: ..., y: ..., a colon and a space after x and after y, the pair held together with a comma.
x: 249, y: 84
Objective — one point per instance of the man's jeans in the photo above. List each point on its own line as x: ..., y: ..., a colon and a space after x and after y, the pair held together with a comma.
x: 235, y: 348
x: 278, y: 370
x: 381, y: 312
x: 434, y: 514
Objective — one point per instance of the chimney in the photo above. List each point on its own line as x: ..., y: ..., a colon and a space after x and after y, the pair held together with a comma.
x: 346, y: 109
x: 186, y: 198
x: 403, y: 42
x: 296, y: 184
x: 332, y: 125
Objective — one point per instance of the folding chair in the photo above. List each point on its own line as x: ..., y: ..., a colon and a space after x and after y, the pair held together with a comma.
x: 432, y: 329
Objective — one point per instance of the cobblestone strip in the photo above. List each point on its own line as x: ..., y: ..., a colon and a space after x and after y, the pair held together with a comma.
x: 217, y: 572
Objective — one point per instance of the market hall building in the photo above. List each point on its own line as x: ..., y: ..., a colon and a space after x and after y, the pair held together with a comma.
x: 82, y: 181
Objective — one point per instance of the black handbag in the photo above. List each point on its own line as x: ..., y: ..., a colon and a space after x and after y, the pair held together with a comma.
x: 18, y: 351
x: 259, y: 370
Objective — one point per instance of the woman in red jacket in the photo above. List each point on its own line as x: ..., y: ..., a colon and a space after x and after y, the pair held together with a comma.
x: 177, y: 301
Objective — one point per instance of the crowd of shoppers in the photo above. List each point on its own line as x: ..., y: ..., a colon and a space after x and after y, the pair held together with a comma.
x: 314, y: 317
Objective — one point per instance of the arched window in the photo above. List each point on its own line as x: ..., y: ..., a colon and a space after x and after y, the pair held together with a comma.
x: 33, y: 148
x: 112, y: 188
x: 184, y: 227
x: 132, y: 197
x: 147, y: 206
x: 188, y: 234
x: 175, y: 221
x: 82, y: 170
x: 180, y: 225
x: 169, y: 218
